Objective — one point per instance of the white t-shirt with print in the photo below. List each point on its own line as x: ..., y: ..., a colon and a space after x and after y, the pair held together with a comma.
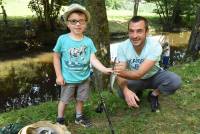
x: 152, y: 51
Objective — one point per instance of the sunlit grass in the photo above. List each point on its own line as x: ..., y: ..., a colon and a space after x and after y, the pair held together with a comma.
x: 17, y: 8
x: 21, y: 9
x: 5, y: 66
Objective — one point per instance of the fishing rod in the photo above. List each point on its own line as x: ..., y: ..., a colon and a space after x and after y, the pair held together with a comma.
x: 102, y: 106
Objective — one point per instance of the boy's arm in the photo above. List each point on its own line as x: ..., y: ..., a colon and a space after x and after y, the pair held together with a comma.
x: 98, y: 65
x: 57, y: 67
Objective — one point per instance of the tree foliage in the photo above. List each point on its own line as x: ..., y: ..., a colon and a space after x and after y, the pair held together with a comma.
x: 82, y: 2
x: 171, y: 12
x: 189, y: 8
x: 114, y: 4
x: 165, y: 9
x: 47, y: 12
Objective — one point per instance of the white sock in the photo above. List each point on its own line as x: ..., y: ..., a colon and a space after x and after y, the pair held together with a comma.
x: 78, y: 115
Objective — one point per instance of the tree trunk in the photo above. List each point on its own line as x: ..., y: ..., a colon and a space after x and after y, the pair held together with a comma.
x: 99, y: 32
x: 4, y: 15
x: 176, y: 18
x: 47, y: 12
x: 136, y: 5
x: 194, y: 41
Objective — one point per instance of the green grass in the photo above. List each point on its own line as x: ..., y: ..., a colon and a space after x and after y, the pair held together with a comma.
x: 117, y: 26
x: 21, y: 9
x: 117, y: 18
x: 17, y: 7
x: 179, y: 113
x: 120, y: 23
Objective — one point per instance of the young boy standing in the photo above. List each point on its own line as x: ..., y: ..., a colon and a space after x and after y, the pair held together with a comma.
x: 73, y: 54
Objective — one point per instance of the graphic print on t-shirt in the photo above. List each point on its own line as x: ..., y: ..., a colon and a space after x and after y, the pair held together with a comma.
x: 77, y: 57
x: 135, y: 63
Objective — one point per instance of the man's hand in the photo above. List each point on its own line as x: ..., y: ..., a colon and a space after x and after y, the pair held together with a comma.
x: 131, y: 98
x: 60, y: 81
x: 134, y: 74
x: 119, y: 69
x: 120, y: 66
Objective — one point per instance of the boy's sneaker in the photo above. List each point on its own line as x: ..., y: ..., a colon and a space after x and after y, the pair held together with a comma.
x: 83, y: 121
x: 154, y: 102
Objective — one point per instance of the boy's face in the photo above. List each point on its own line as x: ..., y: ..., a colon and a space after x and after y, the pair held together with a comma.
x: 77, y: 23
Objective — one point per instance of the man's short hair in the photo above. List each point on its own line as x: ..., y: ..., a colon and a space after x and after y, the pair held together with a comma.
x: 137, y: 19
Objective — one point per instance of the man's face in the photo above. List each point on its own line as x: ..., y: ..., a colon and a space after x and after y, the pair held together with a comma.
x: 137, y: 33
x: 77, y: 23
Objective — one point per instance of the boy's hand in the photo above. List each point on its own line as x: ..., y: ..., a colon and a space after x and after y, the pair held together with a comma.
x: 60, y: 81
x: 108, y: 71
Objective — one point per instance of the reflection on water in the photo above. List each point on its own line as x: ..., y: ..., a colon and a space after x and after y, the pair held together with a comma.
x: 40, y: 90
x: 178, y: 44
x: 35, y: 96
x: 177, y: 56
x: 180, y: 39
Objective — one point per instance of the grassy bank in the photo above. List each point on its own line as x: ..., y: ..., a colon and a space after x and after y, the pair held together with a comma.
x: 179, y: 113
